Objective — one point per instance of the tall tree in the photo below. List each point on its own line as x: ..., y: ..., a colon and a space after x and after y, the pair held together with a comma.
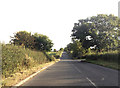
x: 100, y: 30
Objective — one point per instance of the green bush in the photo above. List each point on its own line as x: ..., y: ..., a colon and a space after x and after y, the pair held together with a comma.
x: 53, y: 55
x: 16, y: 58
x: 57, y: 56
x: 111, y: 56
x: 50, y: 56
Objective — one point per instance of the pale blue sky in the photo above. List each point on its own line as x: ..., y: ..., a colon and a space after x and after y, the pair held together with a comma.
x: 54, y: 18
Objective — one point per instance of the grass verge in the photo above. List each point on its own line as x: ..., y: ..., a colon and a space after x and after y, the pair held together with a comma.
x: 19, y: 62
x: 113, y: 65
x: 19, y: 76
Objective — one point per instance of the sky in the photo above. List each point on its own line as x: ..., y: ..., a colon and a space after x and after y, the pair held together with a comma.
x: 54, y: 18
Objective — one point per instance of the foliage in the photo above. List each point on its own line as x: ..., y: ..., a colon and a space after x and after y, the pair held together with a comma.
x: 35, y: 41
x: 108, y: 64
x: 100, y: 30
x: 19, y: 76
x: 23, y: 38
x: 55, y: 50
x: 56, y: 54
x: 97, y: 37
x: 61, y: 49
x: 42, y: 42
x: 50, y: 56
x: 16, y: 58
x: 108, y: 59
x: 75, y: 49
x: 106, y: 56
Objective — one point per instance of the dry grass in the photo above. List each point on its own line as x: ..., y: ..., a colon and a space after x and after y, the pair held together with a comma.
x: 17, y: 77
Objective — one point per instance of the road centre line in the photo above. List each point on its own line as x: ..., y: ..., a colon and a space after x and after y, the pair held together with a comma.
x: 86, y: 77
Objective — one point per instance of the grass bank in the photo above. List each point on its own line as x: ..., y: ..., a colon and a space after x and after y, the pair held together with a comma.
x: 112, y: 65
x: 107, y: 59
x: 24, y: 73
x: 18, y: 63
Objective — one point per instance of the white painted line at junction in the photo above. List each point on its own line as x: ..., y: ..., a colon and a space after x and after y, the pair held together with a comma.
x: 71, y: 60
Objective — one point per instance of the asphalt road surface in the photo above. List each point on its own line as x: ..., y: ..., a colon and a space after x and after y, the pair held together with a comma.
x: 68, y: 72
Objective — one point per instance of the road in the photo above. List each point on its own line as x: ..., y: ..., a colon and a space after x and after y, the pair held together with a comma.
x: 68, y: 72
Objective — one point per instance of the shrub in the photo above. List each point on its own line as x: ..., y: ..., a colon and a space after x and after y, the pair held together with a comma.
x: 111, y: 56
x: 16, y: 58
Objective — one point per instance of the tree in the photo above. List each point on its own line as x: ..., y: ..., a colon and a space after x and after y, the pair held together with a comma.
x: 35, y: 41
x: 23, y: 38
x: 61, y: 49
x: 100, y: 30
x: 42, y: 42
x: 75, y: 49
x: 55, y: 50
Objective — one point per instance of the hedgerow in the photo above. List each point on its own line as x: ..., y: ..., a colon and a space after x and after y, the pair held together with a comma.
x: 17, y: 58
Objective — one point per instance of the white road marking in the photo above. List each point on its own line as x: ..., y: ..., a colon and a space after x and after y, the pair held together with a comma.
x: 86, y: 77
x: 31, y: 76
x: 91, y: 82
x: 70, y: 60
x: 102, y: 79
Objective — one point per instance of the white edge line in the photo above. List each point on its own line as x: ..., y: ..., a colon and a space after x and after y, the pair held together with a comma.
x: 91, y: 82
x: 23, y: 81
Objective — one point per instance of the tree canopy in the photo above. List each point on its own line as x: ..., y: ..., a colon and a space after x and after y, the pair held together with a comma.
x: 75, y: 48
x: 95, y: 34
x: 100, y: 30
x: 33, y: 41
